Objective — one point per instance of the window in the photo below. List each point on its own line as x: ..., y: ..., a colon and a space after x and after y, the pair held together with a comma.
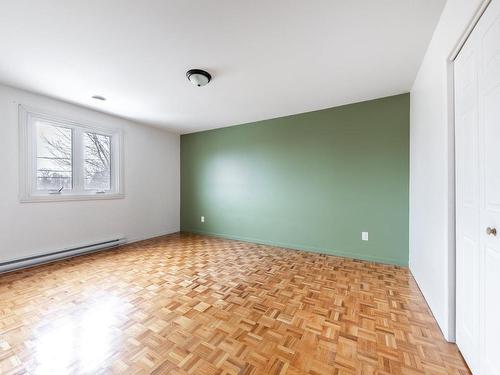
x: 97, y: 161
x: 67, y: 160
x: 54, y: 157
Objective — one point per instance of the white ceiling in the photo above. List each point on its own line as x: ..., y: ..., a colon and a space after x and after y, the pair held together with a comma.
x: 268, y: 58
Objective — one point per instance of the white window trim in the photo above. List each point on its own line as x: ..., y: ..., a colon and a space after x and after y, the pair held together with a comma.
x: 27, y: 158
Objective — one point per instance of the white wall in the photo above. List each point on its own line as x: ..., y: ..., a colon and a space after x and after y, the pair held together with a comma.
x: 150, y: 208
x: 432, y: 229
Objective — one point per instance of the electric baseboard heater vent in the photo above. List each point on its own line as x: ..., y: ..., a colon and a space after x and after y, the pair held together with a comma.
x: 16, y: 264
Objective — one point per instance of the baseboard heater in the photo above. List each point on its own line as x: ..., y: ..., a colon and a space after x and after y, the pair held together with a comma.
x: 58, y: 255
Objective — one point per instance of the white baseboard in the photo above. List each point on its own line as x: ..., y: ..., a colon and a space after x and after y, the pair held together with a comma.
x: 171, y: 230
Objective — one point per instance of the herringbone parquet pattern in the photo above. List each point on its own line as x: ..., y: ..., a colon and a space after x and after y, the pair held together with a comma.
x: 187, y: 304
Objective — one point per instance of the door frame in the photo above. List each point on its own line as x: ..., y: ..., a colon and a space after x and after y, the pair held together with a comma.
x: 452, y: 203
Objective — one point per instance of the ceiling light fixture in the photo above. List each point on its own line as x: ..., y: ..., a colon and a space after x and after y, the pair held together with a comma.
x: 99, y: 97
x: 198, y: 77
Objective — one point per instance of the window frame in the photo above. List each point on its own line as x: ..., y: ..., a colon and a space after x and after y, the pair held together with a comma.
x: 28, y: 191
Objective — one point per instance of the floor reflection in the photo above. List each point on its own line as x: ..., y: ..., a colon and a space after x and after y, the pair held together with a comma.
x: 82, y: 341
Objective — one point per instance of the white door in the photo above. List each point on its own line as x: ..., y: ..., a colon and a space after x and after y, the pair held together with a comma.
x: 477, y: 127
x: 467, y: 205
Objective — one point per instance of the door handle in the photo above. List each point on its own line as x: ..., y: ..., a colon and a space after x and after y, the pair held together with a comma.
x: 491, y: 231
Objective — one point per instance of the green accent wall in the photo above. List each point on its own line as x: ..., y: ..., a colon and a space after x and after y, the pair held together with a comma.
x: 312, y: 181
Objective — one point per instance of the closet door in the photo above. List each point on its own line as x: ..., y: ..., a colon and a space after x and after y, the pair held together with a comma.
x: 489, y: 159
x: 477, y: 121
x: 467, y: 204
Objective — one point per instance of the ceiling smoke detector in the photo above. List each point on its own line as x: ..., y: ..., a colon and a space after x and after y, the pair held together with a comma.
x: 198, y: 77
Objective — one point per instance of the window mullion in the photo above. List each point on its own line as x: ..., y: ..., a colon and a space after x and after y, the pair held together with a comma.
x: 78, y: 161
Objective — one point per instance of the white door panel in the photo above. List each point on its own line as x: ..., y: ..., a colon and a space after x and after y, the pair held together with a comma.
x: 489, y: 143
x: 477, y: 131
x: 490, y: 47
x: 491, y: 357
x: 467, y: 205
x: 491, y: 126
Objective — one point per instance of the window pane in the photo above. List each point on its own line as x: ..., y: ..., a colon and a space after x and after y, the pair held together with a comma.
x: 53, y: 157
x: 97, y: 161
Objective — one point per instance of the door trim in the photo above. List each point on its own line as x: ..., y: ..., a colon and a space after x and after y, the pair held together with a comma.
x: 468, y: 30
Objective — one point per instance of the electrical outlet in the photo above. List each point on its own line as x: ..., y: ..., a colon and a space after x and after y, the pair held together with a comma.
x: 202, y: 219
x: 364, y: 236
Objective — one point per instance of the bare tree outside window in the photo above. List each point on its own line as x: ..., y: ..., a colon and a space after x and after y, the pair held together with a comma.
x: 97, y: 161
x: 54, y: 157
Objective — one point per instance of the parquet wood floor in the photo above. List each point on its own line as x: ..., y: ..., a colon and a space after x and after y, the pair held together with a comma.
x: 188, y: 304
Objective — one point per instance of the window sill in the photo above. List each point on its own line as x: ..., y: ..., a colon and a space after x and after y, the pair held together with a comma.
x: 70, y: 197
